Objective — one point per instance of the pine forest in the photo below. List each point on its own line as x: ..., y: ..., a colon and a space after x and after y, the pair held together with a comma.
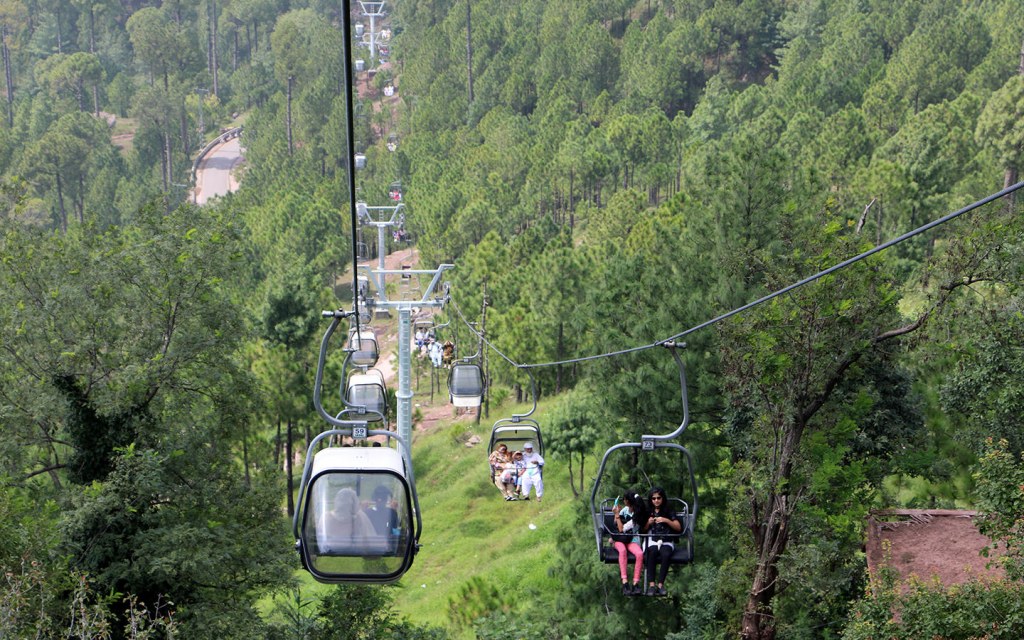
x: 757, y: 260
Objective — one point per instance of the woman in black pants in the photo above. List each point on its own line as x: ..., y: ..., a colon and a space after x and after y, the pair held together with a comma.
x: 663, y: 529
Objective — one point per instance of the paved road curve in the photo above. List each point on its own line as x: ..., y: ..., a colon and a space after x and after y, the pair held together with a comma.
x: 214, y: 176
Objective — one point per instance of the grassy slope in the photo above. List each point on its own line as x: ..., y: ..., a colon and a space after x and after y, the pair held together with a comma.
x: 470, y: 532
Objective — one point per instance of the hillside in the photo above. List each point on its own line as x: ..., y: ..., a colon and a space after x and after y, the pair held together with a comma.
x: 607, y: 178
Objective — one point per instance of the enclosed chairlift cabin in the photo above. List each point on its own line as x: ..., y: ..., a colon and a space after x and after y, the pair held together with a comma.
x: 358, y: 517
x: 466, y: 385
x: 364, y: 349
x: 367, y: 393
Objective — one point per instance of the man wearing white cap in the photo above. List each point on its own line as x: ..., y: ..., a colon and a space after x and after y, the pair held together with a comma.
x: 533, y: 477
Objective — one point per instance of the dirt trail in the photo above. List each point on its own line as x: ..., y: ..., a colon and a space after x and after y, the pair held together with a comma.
x: 940, y: 544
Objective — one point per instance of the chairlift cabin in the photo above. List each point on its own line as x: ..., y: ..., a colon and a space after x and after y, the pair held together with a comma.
x: 360, y: 29
x: 465, y: 385
x: 367, y: 392
x: 362, y: 253
x: 360, y: 161
x: 655, y: 461
x: 365, y: 350
x: 358, y: 515
x: 360, y: 65
x: 364, y: 309
x: 363, y: 284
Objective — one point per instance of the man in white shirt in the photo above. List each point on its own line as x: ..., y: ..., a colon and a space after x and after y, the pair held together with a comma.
x: 534, y: 476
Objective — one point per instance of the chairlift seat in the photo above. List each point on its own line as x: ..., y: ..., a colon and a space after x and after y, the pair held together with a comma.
x: 682, y: 551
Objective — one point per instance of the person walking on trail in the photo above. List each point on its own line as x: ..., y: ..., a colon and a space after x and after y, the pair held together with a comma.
x: 533, y: 477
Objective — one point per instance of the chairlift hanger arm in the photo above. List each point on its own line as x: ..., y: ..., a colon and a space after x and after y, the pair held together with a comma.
x: 516, y: 417
x: 336, y: 318
x: 674, y: 348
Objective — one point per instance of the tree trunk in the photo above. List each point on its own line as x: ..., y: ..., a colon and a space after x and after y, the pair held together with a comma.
x: 92, y: 30
x: 60, y: 203
x: 213, y: 23
x: 56, y: 15
x: 288, y: 116
x: 469, y: 53
x: 770, y: 528
x: 572, y: 483
x: 183, y: 128
x: 7, y: 76
x: 288, y: 469
x: 168, y: 177
x: 277, y: 444
x: 559, y: 347
x: 80, y: 200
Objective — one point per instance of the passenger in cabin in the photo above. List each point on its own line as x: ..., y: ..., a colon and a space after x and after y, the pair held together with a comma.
x: 663, y: 529
x: 520, y: 469
x: 382, y: 514
x: 500, y: 464
x: 629, y: 520
x: 448, y: 353
x: 347, y: 526
x: 421, y: 339
x: 533, y: 476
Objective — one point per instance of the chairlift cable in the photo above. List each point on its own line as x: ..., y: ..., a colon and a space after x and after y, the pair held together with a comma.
x: 845, y: 263
x: 346, y: 9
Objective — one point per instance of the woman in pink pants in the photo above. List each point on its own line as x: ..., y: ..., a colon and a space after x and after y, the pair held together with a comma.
x: 628, y: 520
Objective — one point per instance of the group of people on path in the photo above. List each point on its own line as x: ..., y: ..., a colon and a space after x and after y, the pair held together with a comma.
x: 662, y: 527
x: 516, y: 473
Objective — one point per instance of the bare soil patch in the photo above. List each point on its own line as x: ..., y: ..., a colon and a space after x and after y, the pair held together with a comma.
x: 943, y: 545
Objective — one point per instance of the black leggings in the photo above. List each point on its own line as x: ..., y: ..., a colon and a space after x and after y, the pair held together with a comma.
x: 657, y: 555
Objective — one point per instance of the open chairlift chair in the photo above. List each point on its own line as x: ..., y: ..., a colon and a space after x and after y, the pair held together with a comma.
x: 517, y: 430
x: 625, y: 466
x: 358, y: 516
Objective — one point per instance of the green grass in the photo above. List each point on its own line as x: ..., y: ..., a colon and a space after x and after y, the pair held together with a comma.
x: 472, y: 539
x: 470, y: 533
